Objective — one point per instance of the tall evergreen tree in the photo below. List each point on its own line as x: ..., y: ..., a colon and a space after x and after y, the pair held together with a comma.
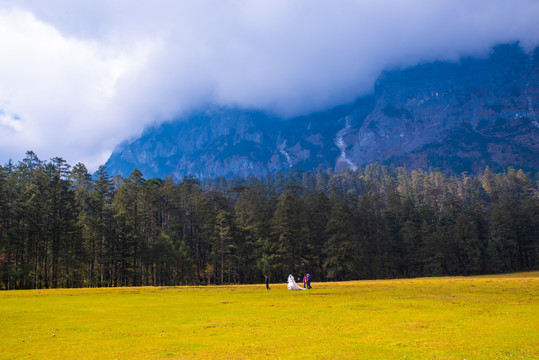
x: 289, y: 233
x: 341, y: 247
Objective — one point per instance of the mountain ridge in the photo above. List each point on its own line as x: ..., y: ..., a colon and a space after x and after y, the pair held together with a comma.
x: 458, y: 117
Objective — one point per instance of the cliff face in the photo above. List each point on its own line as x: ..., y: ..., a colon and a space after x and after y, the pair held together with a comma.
x: 458, y: 117
x: 455, y: 116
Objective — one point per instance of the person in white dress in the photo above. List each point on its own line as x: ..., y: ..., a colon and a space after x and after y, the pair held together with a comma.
x: 292, y: 284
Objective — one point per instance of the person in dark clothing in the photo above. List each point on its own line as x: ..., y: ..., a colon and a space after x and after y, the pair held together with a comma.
x: 308, y: 281
x: 266, y: 281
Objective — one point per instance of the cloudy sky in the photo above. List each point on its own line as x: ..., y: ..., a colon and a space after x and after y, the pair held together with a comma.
x: 78, y: 77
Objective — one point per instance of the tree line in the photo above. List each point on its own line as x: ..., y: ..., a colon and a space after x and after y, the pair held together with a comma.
x: 61, y: 226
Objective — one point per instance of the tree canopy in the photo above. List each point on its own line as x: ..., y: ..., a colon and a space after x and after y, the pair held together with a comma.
x: 61, y: 226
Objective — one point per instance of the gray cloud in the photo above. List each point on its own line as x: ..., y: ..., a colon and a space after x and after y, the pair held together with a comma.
x: 78, y: 77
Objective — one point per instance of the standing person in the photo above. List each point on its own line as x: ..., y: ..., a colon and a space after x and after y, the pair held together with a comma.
x: 308, y: 277
x: 266, y: 281
x: 304, y: 280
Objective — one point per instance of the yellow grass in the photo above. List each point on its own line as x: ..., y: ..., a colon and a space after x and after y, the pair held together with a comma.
x: 490, y: 317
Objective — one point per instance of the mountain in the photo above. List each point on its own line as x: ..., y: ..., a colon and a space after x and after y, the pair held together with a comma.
x: 459, y: 116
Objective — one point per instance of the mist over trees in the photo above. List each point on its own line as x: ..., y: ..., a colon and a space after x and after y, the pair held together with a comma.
x: 61, y: 226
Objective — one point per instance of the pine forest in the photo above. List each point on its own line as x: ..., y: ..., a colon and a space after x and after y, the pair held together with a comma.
x: 61, y: 226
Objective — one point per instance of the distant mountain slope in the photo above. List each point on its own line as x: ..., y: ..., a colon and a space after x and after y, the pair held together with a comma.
x: 456, y: 116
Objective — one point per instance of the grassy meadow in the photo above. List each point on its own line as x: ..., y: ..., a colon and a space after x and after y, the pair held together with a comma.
x: 487, y: 317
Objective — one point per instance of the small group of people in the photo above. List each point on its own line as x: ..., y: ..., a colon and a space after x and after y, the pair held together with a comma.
x: 292, y: 285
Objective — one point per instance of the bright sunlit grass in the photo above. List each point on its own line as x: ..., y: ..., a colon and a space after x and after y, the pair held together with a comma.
x: 490, y: 317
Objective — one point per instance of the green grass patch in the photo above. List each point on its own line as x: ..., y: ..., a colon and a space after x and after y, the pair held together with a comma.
x: 487, y: 317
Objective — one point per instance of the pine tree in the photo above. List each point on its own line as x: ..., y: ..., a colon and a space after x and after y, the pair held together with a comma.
x: 128, y: 217
x: 341, y: 248
x: 289, y: 234
x: 252, y: 213
x: 100, y: 223
x: 317, y: 207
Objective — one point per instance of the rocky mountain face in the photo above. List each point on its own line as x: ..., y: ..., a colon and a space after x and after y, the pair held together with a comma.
x: 454, y: 116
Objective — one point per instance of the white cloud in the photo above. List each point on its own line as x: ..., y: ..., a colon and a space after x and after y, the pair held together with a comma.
x: 80, y: 76
x: 11, y: 122
x: 61, y: 89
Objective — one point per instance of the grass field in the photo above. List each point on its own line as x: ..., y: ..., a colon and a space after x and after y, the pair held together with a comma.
x: 488, y: 317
